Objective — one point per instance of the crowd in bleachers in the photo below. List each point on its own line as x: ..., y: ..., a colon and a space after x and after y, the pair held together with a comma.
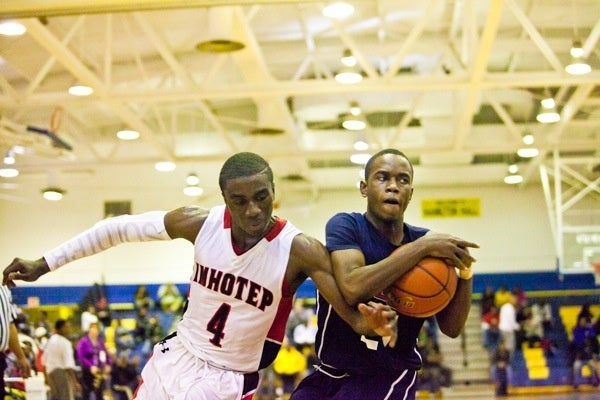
x: 108, y: 349
x: 513, y: 325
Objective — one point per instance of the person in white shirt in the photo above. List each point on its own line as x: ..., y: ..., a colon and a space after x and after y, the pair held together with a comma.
x: 508, y: 323
x: 59, y: 361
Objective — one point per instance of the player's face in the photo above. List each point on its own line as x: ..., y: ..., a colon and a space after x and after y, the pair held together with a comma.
x: 388, y: 187
x: 250, y: 201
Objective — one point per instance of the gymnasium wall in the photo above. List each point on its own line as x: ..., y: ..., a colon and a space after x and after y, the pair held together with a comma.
x: 513, y: 231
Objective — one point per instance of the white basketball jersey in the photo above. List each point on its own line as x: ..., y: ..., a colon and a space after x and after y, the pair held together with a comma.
x: 234, y: 298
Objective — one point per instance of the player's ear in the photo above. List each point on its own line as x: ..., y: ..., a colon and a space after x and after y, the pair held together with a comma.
x: 363, y: 188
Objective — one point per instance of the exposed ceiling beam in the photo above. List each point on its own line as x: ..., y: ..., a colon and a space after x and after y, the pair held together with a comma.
x: 47, y: 8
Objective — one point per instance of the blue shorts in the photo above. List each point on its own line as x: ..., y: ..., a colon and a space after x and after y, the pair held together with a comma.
x: 323, y: 385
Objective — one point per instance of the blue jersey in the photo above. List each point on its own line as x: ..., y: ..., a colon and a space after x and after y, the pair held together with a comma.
x: 337, y: 344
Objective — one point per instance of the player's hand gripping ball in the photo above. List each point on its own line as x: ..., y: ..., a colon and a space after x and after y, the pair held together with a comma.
x: 424, y: 290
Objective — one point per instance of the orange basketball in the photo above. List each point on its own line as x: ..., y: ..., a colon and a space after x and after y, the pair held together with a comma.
x: 424, y: 290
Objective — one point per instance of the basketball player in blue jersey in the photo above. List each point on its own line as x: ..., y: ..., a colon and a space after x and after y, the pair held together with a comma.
x: 247, y: 267
x: 369, y: 252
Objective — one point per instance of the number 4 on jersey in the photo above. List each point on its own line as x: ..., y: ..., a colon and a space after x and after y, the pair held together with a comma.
x: 216, y: 325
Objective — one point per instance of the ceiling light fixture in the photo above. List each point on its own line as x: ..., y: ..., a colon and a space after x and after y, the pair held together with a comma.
x: 338, y: 10
x: 12, y: 28
x: 165, y: 166
x: 548, y: 113
x: 355, y: 120
x: 528, y: 152
x: 360, y: 158
x: 53, y: 193
x: 513, y: 179
x: 361, y: 145
x: 348, y: 58
x: 9, y: 172
x: 128, y: 134
x: 192, y: 187
x: 528, y: 138
x: 80, y: 90
x: 578, y: 65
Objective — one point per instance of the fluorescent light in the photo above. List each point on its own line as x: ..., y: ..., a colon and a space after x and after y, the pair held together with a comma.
x: 528, y: 152
x: 128, y: 134
x: 165, y: 166
x: 360, y: 158
x: 80, y: 90
x: 513, y: 179
x: 193, y: 191
x: 348, y: 75
x: 9, y: 172
x: 338, y: 10
x: 53, y: 193
x: 11, y: 28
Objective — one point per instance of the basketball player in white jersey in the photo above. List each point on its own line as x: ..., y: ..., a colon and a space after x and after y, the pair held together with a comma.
x: 247, y: 267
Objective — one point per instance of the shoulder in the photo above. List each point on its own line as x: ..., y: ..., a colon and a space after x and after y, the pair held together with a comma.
x: 185, y: 222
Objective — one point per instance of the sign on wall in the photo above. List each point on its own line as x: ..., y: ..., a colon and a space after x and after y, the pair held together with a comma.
x: 451, y: 208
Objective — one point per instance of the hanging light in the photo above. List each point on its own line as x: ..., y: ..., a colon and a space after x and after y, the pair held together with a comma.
x: 12, y: 28
x: 360, y: 158
x: 548, y: 113
x: 9, y: 172
x: 165, y: 166
x: 355, y: 120
x: 53, y: 193
x: 348, y: 75
x: 348, y: 58
x: 80, y: 90
x: 528, y: 152
x: 128, y: 134
x: 578, y: 65
x: 361, y: 145
x: 338, y: 10
x: 513, y: 179
x: 527, y: 138
x: 192, y: 187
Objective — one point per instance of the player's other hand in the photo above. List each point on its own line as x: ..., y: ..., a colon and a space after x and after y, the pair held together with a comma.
x: 24, y: 270
x: 381, y: 318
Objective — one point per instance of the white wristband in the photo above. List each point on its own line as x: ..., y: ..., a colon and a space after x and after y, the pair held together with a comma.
x: 109, y: 233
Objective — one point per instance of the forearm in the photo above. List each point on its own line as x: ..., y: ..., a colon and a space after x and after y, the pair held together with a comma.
x: 13, y: 342
x: 452, y: 319
x: 106, y: 234
x: 361, y: 283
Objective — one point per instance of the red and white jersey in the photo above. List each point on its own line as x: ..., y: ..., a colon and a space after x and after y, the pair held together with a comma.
x: 236, y: 301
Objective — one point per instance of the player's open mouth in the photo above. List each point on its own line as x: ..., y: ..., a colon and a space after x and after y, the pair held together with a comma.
x: 392, y: 201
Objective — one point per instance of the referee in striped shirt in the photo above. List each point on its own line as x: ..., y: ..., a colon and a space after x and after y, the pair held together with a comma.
x: 9, y: 338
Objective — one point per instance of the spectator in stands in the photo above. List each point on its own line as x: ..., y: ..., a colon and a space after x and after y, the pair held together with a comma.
x: 490, y: 323
x: 586, y: 356
x: 142, y: 322
x: 169, y: 298
x: 488, y: 299
x: 502, y: 295
x: 59, y: 363
x: 433, y: 375
x: 289, y: 367
x: 507, y: 323
x: 520, y: 295
x: 88, y: 317
x: 299, y: 314
x: 586, y: 312
x: 305, y: 335
x: 124, y: 337
x: 501, y: 369
x: 124, y: 377
x: 533, y: 331
x: 95, y: 363
x: 543, y: 310
x: 142, y: 298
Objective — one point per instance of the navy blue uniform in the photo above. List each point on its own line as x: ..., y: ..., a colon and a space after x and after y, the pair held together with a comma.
x: 353, y: 366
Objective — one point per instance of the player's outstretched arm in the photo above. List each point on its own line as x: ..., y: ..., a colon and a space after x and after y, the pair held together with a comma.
x: 103, y: 235
x: 309, y: 257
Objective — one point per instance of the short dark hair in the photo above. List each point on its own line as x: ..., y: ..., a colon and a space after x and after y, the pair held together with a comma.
x: 382, y: 153
x: 244, y: 164
x: 59, y: 324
